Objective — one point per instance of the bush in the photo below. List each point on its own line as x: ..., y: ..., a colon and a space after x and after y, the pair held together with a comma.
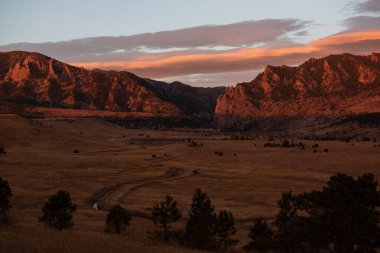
x: 57, y: 211
x: 219, y: 153
x: 117, y: 220
x: 2, y: 150
x: 5, y: 199
x: 164, y: 214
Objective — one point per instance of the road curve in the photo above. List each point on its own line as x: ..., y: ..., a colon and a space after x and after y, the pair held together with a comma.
x: 113, y: 195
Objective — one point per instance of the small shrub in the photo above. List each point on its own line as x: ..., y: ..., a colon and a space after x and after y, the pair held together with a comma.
x: 57, y: 211
x: 153, y: 156
x: 5, y: 199
x: 117, y: 220
x: 196, y: 172
x: 2, y: 150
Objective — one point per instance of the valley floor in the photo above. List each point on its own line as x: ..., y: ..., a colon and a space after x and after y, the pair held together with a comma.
x: 99, y: 162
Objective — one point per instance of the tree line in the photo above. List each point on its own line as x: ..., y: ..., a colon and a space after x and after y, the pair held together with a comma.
x: 342, y: 217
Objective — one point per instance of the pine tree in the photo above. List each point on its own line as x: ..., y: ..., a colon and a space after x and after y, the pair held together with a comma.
x: 117, y: 220
x: 345, y: 214
x: 261, y: 237
x: 164, y: 214
x: 226, y: 228
x: 201, y: 227
x: 290, y: 235
x: 5, y: 196
x: 57, y: 211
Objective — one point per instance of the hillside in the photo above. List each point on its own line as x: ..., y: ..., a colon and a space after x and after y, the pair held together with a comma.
x: 316, y: 93
x: 333, y: 86
x: 35, y: 79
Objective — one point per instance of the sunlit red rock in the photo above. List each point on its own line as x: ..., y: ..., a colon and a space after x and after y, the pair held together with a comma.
x: 334, y: 85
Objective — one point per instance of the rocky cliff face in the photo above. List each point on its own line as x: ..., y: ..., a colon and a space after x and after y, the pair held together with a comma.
x: 332, y: 86
x: 39, y: 80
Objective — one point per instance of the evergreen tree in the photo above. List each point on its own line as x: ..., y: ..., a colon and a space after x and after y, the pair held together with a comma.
x: 164, y: 214
x: 57, y: 211
x: 291, y: 233
x: 226, y: 228
x: 261, y: 237
x: 201, y: 227
x: 345, y: 214
x: 117, y: 220
x: 5, y: 199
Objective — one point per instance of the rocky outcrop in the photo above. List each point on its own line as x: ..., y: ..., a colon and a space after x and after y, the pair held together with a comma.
x: 36, y: 79
x: 332, y: 86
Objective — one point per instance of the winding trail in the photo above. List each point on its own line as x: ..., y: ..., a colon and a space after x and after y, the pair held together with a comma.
x: 114, y: 194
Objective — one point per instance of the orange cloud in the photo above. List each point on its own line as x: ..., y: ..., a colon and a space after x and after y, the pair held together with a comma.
x: 243, y: 59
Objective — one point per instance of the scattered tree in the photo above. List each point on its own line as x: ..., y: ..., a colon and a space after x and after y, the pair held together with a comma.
x: 261, y: 237
x: 290, y: 233
x: 164, y: 214
x: 201, y: 227
x: 57, y: 211
x: 117, y: 220
x: 5, y: 199
x: 226, y: 229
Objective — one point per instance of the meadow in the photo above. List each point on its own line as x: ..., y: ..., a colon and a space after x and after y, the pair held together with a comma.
x: 103, y: 163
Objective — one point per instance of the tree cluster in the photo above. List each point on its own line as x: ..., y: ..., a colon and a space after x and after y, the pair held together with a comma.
x: 343, y: 217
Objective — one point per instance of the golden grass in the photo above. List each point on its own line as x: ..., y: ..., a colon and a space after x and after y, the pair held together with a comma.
x: 40, y: 160
x: 15, y: 239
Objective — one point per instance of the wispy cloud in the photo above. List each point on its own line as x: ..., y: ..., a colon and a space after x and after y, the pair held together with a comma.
x: 242, y: 34
x: 244, y: 59
x: 212, y: 55
x: 368, y: 6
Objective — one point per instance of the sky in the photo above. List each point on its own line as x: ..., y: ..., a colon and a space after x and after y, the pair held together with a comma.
x: 201, y: 42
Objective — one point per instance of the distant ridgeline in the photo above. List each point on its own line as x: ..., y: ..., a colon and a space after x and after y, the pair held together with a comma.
x: 327, y: 91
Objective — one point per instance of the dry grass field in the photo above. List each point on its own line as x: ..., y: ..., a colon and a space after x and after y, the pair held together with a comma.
x: 96, y: 161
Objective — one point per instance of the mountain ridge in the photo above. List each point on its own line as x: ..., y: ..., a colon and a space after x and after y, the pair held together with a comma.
x: 38, y: 79
x: 332, y: 86
x: 335, y: 85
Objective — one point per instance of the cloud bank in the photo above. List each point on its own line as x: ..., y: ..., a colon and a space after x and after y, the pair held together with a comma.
x: 215, y: 55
